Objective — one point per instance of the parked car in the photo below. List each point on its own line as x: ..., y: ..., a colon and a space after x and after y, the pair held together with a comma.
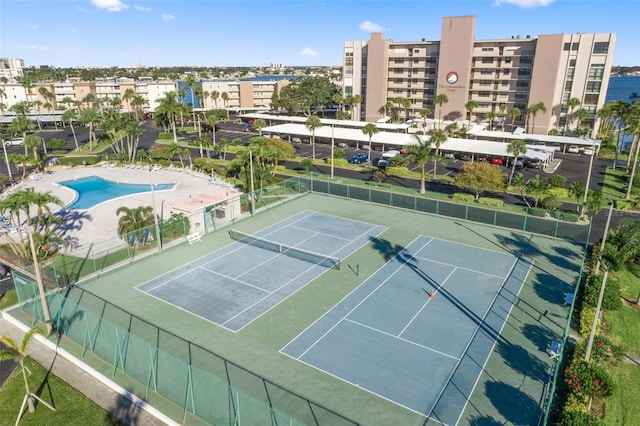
x: 588, y: 151
x: 14, y: 142
x: 387, y: 156
x: 519, y: 163
x: 449, y: 155
x: 534, y: 163
x: 342, y: 145
x: 247, y: 128
x: 497, y: 161
x: 573, y: 149
x: 296, y: 140
x: 359, y: 159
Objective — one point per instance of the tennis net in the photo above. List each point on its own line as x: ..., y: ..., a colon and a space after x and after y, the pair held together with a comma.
x: 309, y: 256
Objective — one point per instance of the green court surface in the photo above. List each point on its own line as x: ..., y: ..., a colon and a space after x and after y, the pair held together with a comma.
x: 509, y: 325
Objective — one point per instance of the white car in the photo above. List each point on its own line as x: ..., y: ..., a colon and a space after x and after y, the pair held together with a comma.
x: 573, y: 149
x: 14, y: 142
x: 588, y: 151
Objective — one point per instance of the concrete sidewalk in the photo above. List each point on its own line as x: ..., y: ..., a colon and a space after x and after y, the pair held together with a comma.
x: 104, y: 392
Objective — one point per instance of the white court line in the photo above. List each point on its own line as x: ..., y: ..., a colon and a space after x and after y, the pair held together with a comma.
x: 301, y: 287
x: 459, y: 267
x: 236, y: 280
x: 359, y: 303
x: 319, y: 233
x: 496, y: 340
x: 400, y: 338
x: 349, y: 294
x: 424, y: 305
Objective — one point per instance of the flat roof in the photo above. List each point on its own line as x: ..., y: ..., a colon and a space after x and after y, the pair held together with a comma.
x: 395, y: 140
x: 482, y: 133
x: 327, y: 121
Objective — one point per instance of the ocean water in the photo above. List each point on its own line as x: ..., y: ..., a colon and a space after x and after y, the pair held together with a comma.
x: 621, y: 88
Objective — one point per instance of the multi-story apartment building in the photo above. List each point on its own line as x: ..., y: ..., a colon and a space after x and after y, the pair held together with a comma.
x: 499, y: 75
x: 242, y: 94
x: 11, y: 69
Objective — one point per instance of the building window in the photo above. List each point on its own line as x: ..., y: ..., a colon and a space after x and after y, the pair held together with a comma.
x: 348, y: 71
x: 487, y: 49
x: 508, y: 59
x: 601, y: 48
x: 572, y: 62
x: 484, y: 94
x: 348, y: 90
x: 431, y: 60
x: 568, y: 85
x: 348, y: 54
x: 430, y: 81
x: 348, y: 62
x: 526, y: 60
x: 594, y: 86
x: 591, y: 99
x: 575, y: 46
x: 504, y: 83
x: 522, y: 83
x: 487, y: 60
x: 570, y: 72
x: 524, y: 71
x: 485, y: 82
x: 596, y: 72
x: 416, y: 50
x: 429, y: 91
x: 521, y: 95
x: 485, y: 71
x: 567, y: 46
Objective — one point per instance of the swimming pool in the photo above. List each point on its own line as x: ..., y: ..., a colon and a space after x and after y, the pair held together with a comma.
x: 93, y: 190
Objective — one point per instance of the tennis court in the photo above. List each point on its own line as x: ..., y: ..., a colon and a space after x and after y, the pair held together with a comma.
x: 236, y: 284
x: 419, y: 331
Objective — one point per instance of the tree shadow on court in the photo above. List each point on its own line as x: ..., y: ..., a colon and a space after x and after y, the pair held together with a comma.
x: 386, y: 248
x: 521, y: 361
x: 484, y: 421
x: 538, y: 335
x: 515, y: 406
x: 550, y: 289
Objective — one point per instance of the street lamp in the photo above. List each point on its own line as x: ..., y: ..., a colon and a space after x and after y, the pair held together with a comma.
x: 586, y: 189
x: 155, y: 214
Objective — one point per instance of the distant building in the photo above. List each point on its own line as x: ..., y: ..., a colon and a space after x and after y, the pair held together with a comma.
x: 499, y: 75
x: 11, y: 69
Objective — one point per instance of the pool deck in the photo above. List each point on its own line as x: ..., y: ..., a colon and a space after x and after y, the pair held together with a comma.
x: 98, y: 225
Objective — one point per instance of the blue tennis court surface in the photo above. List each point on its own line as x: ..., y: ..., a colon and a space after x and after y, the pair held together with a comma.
x: 234, y: 285
x: 419, y: 331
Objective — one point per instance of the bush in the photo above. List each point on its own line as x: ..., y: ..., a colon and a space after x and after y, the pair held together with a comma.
x: 492, y: 202
x: 306, y: 163
x: 397, y: 171
x: 603, y: 350
x: 534, y: 211
x: 587, y: 314
x: 557, y: 181
x: 611, y: 257
x: 589, y: 380
x: 575, y: 404
x: 206, y: 164
x: 570, y: 418
x: 623, y: 204
x: 558, y: 192
x: 551, y: 203
x: 56, y: 143
x: 461, y: 196
x: 339, y: 153
x: 611, y: 299
x: 565, y: 216
x: 165, y: 135
x: 81, y: 160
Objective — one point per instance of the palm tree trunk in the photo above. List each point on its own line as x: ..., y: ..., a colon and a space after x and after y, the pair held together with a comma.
x: 633, y: 169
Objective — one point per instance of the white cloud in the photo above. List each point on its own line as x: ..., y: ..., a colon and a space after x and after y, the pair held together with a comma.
x: 142, y: 8
x: 110, y: 5
x: 307, y: 51
x: 167, y: 17
x: 370, y: 27
x: 525, y: 4
x: 35, y: 47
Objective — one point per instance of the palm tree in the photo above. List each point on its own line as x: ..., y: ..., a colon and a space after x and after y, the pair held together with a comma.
x: 425, y: 113
x: 470, y: 106
x: 357, y: 100
x: 419, y: 153
x: 388, y: 108
x: 19, y: 353
x: 171, y: 109
x: 191, y: 83
x: 33, y: 142
x: 621, y: 110
x: 69, y: 116
x: 515, y: 148
x: 21, y: 125
x: 440, y: 99
x: 502, y: 108
x: 259, y: 124
x: 514, y: 114
x: 572, y: 104
x: 370, y: 129
x: 313, y: 123
x: 338, y: 99
x: 225, y: 100
x: 518, y: 180
x: 437, y: 137
x: 491, y: 116
x: 134, y: 224
x: 214, y: 97
x: 90, y: 116
x: 580, y: 116
x: 576, y: 190
x: 533, y: 111
x: 128, y: 95
x: 137, y: 102
x: 405, y: 104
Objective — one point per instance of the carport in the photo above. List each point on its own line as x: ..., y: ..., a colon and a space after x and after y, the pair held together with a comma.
x: 560, y: 143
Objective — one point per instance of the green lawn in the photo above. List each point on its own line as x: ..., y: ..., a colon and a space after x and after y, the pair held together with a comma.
x: 7, y: 299
x: 72, y: 407
x: 622, y: 329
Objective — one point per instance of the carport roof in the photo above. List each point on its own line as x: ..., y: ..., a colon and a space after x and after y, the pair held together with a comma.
x: 482, y: 133
x: 391, y: 139
x: 327, y: 122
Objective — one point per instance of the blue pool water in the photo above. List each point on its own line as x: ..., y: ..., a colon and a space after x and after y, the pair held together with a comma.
x: 93, y: 190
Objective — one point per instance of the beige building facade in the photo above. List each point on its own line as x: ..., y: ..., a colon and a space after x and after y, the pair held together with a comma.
x: 499, y: 75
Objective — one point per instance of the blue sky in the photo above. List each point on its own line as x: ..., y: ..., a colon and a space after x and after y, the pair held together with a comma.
x: 125, y: 33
